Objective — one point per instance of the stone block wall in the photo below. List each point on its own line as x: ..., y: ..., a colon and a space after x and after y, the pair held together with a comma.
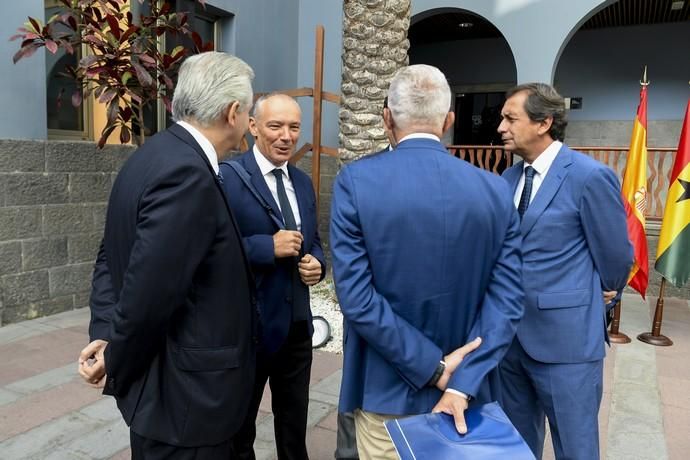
x: 53, y: 197
x: 605, y: 133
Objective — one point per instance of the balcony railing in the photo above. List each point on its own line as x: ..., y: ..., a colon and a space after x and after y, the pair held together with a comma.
x: 659, y: 164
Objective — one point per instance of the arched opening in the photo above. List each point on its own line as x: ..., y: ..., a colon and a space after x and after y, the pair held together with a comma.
x: 479, y: 65
x: 601, y: 65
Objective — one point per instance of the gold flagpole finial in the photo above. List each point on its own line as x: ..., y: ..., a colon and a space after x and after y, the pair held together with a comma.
x: 644, y: 81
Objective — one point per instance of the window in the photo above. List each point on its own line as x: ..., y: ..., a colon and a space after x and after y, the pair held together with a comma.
x: 205, y: 22
x: 64, y: 120
x: 68, y: 122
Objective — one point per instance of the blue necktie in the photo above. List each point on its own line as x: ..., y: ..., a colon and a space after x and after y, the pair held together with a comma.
x: 526, y: 191
x: 219, y: 176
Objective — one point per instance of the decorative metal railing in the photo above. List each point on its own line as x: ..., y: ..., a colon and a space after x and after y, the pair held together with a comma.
x: 659, y: 163
x: 490, y: 157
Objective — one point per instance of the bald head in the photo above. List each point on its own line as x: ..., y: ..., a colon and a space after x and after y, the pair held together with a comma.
x: 277, y: 98
x: 275, y: 125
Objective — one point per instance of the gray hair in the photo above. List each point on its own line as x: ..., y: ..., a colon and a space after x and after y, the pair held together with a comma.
x: 208, y: 83
x: 543, y: 101
x: 419, y: 95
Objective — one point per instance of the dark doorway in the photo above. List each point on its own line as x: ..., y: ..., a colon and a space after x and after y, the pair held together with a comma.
x: 477, y: 115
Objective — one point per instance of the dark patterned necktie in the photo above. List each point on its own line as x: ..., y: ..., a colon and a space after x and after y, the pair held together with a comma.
x: 300, y: 292
x: 526, y: 191
x: 285, y: 209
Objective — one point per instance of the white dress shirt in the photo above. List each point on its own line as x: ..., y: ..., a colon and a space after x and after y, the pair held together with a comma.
x: 419, y: 136
x: 266, y: 168
x: 204, y: 143
x: 541, y: 166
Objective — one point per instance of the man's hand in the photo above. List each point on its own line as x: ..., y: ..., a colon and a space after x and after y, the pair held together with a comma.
x: 454, y: 359
x: 92, y: 363
x: 309, y: 269
x: 609, y: 296
x: 287, y: 243
x: 455, y: 405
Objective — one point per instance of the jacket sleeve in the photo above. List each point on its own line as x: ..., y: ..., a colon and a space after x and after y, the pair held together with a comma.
x: 500, y: 312
x: 176, y: 224
x: 405, y: 348
x: 603, y: 219
x: 102, y: 301
x: 316, y: 249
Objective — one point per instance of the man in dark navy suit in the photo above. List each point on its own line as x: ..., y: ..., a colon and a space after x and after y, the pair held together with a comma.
x: 172, y: 307
x: 275, y: 206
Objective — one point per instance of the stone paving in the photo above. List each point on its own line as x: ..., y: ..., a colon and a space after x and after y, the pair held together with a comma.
x: 46, y: 412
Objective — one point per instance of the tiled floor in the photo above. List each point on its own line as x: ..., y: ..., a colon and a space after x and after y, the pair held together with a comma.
x: 46, y: 412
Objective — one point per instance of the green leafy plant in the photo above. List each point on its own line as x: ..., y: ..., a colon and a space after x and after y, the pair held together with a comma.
x: 124, y: 67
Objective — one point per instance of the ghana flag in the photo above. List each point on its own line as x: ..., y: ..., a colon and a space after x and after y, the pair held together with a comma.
x: 673, y: 254
x: 634, y: 191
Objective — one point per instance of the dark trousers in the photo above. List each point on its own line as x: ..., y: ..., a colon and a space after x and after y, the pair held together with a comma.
x: 148, y: 449
x: 287, y: 371
x: 346, y: 441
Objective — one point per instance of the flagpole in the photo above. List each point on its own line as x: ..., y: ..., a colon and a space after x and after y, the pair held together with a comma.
x: 615, y: 335
x: 655, y: 337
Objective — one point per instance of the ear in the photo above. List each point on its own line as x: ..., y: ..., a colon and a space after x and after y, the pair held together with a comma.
x: 545, y: 126
x: 449, y: 121
x: 388, y: 121
x: 231, y: 117
x: 253, y: 128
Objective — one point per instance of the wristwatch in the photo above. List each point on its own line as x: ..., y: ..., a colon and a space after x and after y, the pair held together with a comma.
x: 440, y: 369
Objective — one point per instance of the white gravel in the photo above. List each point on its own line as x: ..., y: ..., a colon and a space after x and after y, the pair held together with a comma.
x: 324, y: 303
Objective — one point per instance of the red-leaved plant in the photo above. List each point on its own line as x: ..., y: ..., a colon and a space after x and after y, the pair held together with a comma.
x: 124, y: 68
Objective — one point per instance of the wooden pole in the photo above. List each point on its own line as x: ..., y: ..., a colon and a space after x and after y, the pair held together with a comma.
x: 615, y: 335
x: 316, y: 128
x: 655, y: 337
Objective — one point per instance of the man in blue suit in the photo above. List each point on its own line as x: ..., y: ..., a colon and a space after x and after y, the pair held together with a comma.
x: 426, y: 257
x: 575, y: 245
x: 275, y: 207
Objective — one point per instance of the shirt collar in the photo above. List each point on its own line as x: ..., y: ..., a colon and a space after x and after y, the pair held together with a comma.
x: 543, y: 162
x: 420, y: 136
x: 265, y: 166
x: 204, y: 143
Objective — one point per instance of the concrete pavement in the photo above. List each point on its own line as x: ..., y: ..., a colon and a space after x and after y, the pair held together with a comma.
x: 47, y: 413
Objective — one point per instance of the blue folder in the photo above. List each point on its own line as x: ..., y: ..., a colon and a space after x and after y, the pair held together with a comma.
x: 490, y: 435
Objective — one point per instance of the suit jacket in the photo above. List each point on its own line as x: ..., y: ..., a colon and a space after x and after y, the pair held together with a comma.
x: 273, y: 276
x: 426, y: 256
x: 172, y: 295
x: 575, y: 243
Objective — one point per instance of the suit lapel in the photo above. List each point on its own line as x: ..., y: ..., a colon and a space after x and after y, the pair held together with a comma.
x: 512, y: 176
x: 302, y: 192
x: 259, y: 182
x: 182, y: 134
x: 552, y: 182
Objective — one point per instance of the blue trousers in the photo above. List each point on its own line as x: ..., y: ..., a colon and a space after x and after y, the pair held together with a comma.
x: 568, y: 395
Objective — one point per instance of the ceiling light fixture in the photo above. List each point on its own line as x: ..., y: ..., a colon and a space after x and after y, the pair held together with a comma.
x: 465, y: 25
x: 678, y: 5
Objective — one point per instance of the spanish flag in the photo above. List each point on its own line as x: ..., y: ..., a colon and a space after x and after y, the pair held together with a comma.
x: 673, y: 253
x: 634, y: 192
